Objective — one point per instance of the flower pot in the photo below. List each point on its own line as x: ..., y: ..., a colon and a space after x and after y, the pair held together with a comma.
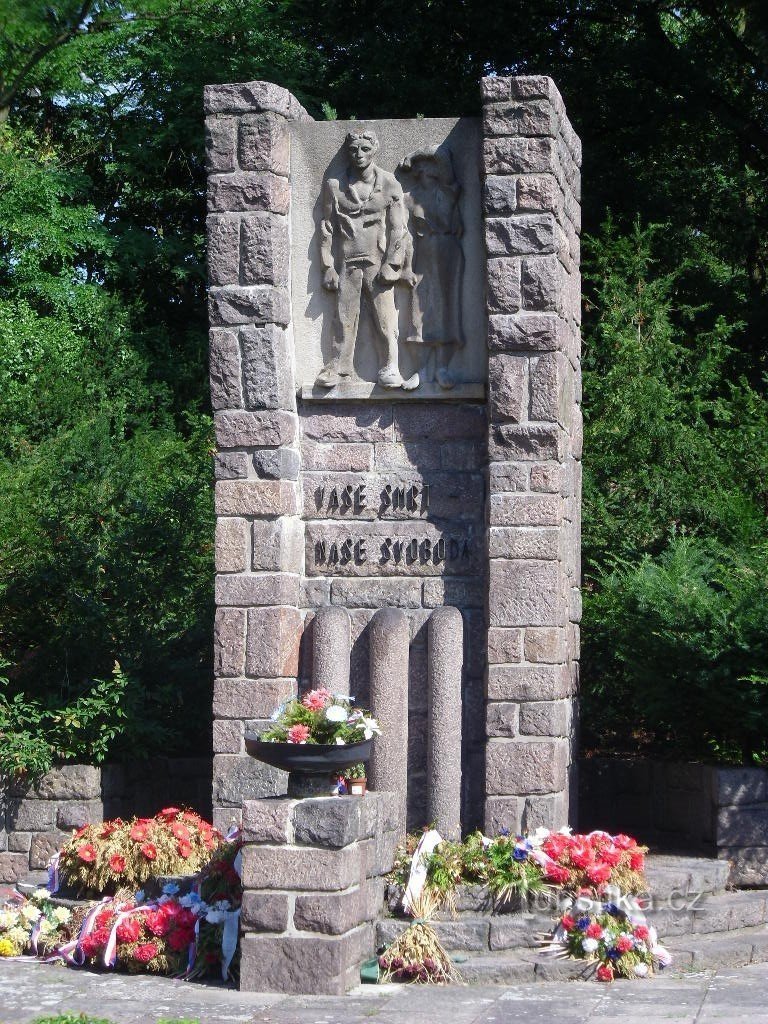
x: 356, y: 787
x: 313, y: 767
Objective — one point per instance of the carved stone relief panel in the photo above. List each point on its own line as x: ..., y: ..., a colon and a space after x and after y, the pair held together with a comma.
x: 387, y: 258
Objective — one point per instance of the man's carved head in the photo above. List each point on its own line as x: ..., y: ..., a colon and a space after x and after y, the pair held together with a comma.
x: 362, y: 147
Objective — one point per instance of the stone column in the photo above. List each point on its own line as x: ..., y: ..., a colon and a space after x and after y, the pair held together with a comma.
x: 445, y: 663
x: 331, y: 641
x: 313, y: 890
x: 389, y: 642
x: 532, y: 220
x: 259, y: 535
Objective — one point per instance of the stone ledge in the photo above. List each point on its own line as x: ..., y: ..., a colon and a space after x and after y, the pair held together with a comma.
x: 348, y: 392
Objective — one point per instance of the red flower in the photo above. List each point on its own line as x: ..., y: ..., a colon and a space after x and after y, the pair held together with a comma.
x: 117, y: 863
x: 180, y: 831
x: 158, y: 923
x: 194, y: 818
x: 129, y: 930
x: 180, y: 939
x: 101, y: 919
x: 611, y: 855
x: 185, y: 918
x: 641, y: 933
x: 624, y: 944
x: 582, y: 856
x: 605, y: 972
x: 556, y: 873
x: 94, y: 943
x: 298, y: 734
x: 568, y: 922
x: 109, y: 827
x: 637, y: 860
x: 624, y: 842
x: 139, y: 833
x: 594, y: 931
x: 598, y: 873
x: 169, y: 813
x: 149, y: 850
x: 184, y: 849
x: 555, y: 845
x: 87, y: 852
x: 81, y: 831
x: 146, y: 952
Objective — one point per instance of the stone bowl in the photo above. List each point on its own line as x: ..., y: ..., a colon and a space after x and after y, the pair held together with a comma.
x: 308, y: 758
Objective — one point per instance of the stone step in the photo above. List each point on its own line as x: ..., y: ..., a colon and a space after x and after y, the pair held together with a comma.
x: 674, y: 916
x: 670, y: 875
x: 693, y: 953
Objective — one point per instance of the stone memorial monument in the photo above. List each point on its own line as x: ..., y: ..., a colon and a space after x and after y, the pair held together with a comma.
x: 395, y: 377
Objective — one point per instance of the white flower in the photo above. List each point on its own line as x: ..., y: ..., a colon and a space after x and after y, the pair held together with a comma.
x: 18, y: 936
x: 46, y: 926
x: 641, y: 970
x: 340, y: 742
x: 30, y: 913
x: 336, y: 713
x: 8, y: 919
x: 539, y: 837
x: 61, y: 915
x: 589, y: 945
x: 40, y: 894
x: 370, y: 727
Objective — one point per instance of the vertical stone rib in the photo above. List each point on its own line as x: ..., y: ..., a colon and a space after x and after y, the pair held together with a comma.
x: 389, y: 642
x: 331, y: 642
x: 445, y: 661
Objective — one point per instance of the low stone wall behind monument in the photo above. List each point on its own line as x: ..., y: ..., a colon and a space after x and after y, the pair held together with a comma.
x: 35, y: 820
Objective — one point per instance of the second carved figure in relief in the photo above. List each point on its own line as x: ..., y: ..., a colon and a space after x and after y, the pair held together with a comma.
x: 388, y: 248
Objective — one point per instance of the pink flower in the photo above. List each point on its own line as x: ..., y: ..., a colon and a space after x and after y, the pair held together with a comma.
x: 298, y: 733
x: 605, y: 972
x: 624, y: 944
x: 316, y: 700
x: 594, y: 931
x: 611, y: 855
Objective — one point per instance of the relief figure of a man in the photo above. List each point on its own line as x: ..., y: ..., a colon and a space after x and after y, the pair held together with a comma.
x: 362, y: 245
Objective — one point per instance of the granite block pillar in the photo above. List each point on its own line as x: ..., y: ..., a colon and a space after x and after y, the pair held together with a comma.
x: 312, y: 890
x: 532, y: 221
x: 259, y: 534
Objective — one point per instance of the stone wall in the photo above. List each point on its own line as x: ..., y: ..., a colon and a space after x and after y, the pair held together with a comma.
x: 388, y: 500
x: 689, y: 807
x: 532, y: 191
x: 313, y: 890
x: 35, y: 820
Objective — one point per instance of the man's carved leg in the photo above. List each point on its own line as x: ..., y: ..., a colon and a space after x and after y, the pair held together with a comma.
x: 385, y: 314
x: 347, y: 318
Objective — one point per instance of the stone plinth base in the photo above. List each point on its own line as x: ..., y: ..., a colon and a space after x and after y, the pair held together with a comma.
x: 313, y: 889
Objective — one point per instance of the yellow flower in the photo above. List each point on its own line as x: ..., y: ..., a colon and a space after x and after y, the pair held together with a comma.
x: 8, y: 918
x: 19, y: 937
x: 7, y: 948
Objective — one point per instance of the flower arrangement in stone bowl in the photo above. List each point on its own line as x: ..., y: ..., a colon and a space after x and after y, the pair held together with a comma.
x: 34, y: 924
x: 618, y: 941
x: 101, y: 859
x: 321, y: 717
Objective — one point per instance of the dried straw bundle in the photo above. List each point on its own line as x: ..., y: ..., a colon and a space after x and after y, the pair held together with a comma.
x: 416, y: 955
